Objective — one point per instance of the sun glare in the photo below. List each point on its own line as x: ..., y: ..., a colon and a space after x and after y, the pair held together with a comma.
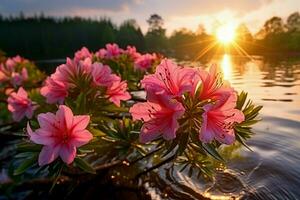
x: 226, y: 65
x: 226, y: 33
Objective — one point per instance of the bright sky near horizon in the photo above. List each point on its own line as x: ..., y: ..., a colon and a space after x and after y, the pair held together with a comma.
x: 176, y: 13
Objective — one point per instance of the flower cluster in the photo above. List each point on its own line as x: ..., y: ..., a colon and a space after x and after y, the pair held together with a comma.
x: 76, y: 115
x: 81, y: 84
x: 175, y: 92
x: 20, y: 105
x: 128, y: 63
x: 13, y: 71
x: 17, y: 75
x: 145, y: 61
x: 84, y: 74
x: 112, y: 52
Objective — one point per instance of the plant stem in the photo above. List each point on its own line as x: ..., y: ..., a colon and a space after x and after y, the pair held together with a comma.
x: 156, y: 166
x: 147, y: 155
x: 108, y: 165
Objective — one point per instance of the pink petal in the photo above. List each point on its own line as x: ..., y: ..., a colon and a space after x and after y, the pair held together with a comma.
x: 29, y: 130
x: 67, y: 153
x: 237, y: 116
x: 46, y: 120
x: 151, y: 82
x: 80, y: 122
x: 140, y: 111
x: 41, y: 136
x: 116, y: 99
x: 81, y: 138
x: 169, y: 133
x: 226, y: 137
x: 148, y: 134
x: 22, y: 93
x: 29, y: 112
x: 18, y: 116
x: 65, y: 117
x: 206, y: 135
x: 48, y: 155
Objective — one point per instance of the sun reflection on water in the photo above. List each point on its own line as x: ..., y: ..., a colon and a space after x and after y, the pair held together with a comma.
x: 226, y: 65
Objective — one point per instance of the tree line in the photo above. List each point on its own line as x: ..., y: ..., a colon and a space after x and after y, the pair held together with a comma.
x: 44, y: 37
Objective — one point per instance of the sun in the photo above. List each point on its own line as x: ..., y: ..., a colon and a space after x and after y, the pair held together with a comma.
x: 226, y: 34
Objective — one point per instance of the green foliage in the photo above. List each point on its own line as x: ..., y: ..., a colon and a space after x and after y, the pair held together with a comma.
x: 18, y: 33
x: 243, y: 131
x: 130, y: 33
x: 28, y: 162
x: 124, y: 66
x: 82, y: 164
x: 46, y: 32
x: 198, y: 164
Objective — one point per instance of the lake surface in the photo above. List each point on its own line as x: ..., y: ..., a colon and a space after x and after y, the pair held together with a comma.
x: 272, y: 170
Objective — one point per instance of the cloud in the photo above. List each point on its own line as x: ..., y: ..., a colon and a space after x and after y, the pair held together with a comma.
x: 283, y: 9
x: 64, y: 8
x: 176, y: 13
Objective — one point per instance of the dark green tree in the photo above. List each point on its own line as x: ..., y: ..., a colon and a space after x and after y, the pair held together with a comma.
x: 130, y: 34
x: 293, y: 22
x: 274, y: 26
x: 156, y: 39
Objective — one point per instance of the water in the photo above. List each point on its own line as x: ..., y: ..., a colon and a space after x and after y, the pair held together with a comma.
x: 272, y: 170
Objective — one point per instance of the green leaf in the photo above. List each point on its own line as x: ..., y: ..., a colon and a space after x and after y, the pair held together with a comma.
x: 29, y: 147
x: 248, y: 122
x: 26, y: 165
x: 212, y: 151
x: 97, y: 132
x: 183, y: 167
x: 240, y: 140
x: 82, y: 164
x: 183, y: 141
x: 241, y: 100
x: 253, y: 113
x: 170, y: 146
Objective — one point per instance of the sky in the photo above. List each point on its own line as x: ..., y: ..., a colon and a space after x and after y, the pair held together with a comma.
x: 176, y: 13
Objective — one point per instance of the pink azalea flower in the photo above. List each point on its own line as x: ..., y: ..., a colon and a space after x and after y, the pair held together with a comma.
x: 3, y: 75
x: 160, y: 118
x: 24, y: 73
x: 219, y: 119
x: 101, y: 53
x: 8, y: 91
x: 20, y: 105
x: 117, y: 91
x: 145, y: 61
x: 72, y: 70
x: 212, y: 86
x: 54, y: 90
x: 133, y: 54
x: 102, y: 75
x: 60, y: 134
x: 10, y: 64
x: 85, y: 66
x: 8, y: 71
x: 19, y: 59
x: 17, y: 78
x: 112, y: 51
x: 169, y: 77
x: 82, y: 54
